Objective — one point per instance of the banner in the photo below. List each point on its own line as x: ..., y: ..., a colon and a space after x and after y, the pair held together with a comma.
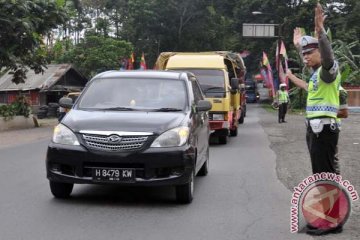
x: 130, y: 65
x: 143, y: 62
x: 266, y: 63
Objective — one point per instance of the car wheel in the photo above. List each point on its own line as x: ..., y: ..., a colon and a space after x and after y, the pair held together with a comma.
x: 234, y: 132
x: 61, y: 190
x: 223, y: 139
x: 241, y: 119
x: 185, y: 192
x: 204, y: 170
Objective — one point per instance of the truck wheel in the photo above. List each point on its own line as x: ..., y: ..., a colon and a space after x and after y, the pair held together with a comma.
x: 185, y: 193
x: 241, y: 119
x: 204, y: 170
x: 223, y: 139
x: 234, y: 132
x: 61, y: 190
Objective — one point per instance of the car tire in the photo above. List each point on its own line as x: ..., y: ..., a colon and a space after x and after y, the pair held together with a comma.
x: 234, y: 133
x: 241, y: 119
x: 223, y: 139
x: 61, y: 190
x: 204, y: 170
x: 185, y: 192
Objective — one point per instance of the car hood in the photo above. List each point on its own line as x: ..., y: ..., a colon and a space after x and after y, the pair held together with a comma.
x: 155, y: 122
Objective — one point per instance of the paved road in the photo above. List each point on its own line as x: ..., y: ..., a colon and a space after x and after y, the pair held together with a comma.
x: 241, y: 198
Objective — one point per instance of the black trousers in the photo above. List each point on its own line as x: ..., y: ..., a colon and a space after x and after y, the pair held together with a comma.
x: 282, y: 111
x: 323, y: 149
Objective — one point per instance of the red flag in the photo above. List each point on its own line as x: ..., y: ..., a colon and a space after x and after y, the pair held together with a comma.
x: 131, y: 61
x: 143, y: 62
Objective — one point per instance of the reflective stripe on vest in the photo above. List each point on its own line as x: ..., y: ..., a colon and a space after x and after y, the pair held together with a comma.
x: 283, y: 97
x: 323, y: 98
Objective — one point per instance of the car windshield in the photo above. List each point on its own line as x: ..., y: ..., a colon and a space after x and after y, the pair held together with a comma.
x: 132, y: 94
x: 211, y: 81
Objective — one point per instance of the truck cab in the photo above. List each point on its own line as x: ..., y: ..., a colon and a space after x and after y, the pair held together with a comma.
x: 220, y: 77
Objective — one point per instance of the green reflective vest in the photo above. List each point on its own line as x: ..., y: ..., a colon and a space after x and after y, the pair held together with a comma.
x: 283, y: 96
x: 323, y: 98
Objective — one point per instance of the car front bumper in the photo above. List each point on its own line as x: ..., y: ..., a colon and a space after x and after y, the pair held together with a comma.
x: 153, y: 166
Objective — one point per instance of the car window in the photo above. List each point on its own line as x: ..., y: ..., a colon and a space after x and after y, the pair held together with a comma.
x: 197, y: 92
x: 138, y: 94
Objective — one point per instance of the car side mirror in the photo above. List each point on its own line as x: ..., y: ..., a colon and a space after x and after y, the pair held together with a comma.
x: 203, y: 105
x: 66, y: 102
x: 234, y: 83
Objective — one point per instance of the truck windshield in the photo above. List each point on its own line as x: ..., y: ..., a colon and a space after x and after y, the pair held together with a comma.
x: 133, y: 94
x: 212, y: 82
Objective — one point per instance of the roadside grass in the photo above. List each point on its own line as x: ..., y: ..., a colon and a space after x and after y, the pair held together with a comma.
x: 269, y: 108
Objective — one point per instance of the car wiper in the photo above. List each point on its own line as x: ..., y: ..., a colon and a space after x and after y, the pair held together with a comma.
x: 167, y: 110
x: 118, y: 109
x: 221, y: 89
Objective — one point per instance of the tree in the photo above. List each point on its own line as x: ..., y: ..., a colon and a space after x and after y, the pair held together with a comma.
x: 23, y: 25
x: 95, y: 54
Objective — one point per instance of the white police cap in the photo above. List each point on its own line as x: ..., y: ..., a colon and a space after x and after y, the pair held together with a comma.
x: 282, y: 85
x: 308, y: 44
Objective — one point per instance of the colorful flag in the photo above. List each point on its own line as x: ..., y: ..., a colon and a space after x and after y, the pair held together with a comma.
x: 282, y: 71
x: 283, y: 50
x: 266, y: 63
x: 143, y: 62
x: 282, y: 75
x: 130, y: 65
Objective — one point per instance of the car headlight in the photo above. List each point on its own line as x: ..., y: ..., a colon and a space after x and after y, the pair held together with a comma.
x: 172, y: 138
x: 64, y: 135
x: 218, y: 117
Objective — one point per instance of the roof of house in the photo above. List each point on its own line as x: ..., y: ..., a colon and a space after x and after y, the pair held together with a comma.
x: 51, y: 75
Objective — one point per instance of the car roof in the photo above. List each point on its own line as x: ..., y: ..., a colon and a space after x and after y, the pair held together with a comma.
x: 144, y: 74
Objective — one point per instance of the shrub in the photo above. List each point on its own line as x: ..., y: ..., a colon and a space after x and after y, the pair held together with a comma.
x: 20, y: 107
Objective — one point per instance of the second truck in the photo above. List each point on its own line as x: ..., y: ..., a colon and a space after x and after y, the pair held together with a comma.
x: 221, y: 76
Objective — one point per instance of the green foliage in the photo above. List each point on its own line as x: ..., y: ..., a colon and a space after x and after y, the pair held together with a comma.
x: 95, y: 54
x: 20, y: 107
x: 298, y: 98
x: 349, y: 62
x: 23, y: 23
x: 162, y: 25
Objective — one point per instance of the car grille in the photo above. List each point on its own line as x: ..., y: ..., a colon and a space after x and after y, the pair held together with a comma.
x: 102, y: 142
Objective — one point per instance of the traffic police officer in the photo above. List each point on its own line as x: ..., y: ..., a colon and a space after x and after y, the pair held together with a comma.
x: 283, y: 100
x: 322, y: 102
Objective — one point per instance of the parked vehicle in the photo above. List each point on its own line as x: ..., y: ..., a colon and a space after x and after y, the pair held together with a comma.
x: 220, y: 75
x: 147, y: 128
x: 62, y: 111
x: 252, y: 93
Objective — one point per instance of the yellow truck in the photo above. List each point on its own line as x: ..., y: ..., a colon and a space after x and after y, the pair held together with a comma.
x: 220, y: 75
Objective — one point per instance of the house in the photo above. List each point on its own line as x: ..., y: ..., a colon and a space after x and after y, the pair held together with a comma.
x: 42, y: 89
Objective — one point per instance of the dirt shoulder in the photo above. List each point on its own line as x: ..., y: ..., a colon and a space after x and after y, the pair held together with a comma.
x: 22, y: 136
x: 293, y: 160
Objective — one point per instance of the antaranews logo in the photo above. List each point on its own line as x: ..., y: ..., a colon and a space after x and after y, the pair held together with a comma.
x: 321, y: 201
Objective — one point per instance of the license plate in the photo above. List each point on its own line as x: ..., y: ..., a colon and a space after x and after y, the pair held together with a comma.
x: 113, y: 174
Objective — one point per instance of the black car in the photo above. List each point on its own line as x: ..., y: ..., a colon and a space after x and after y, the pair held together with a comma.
x: 141, y: 128
x: 252, y: 93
